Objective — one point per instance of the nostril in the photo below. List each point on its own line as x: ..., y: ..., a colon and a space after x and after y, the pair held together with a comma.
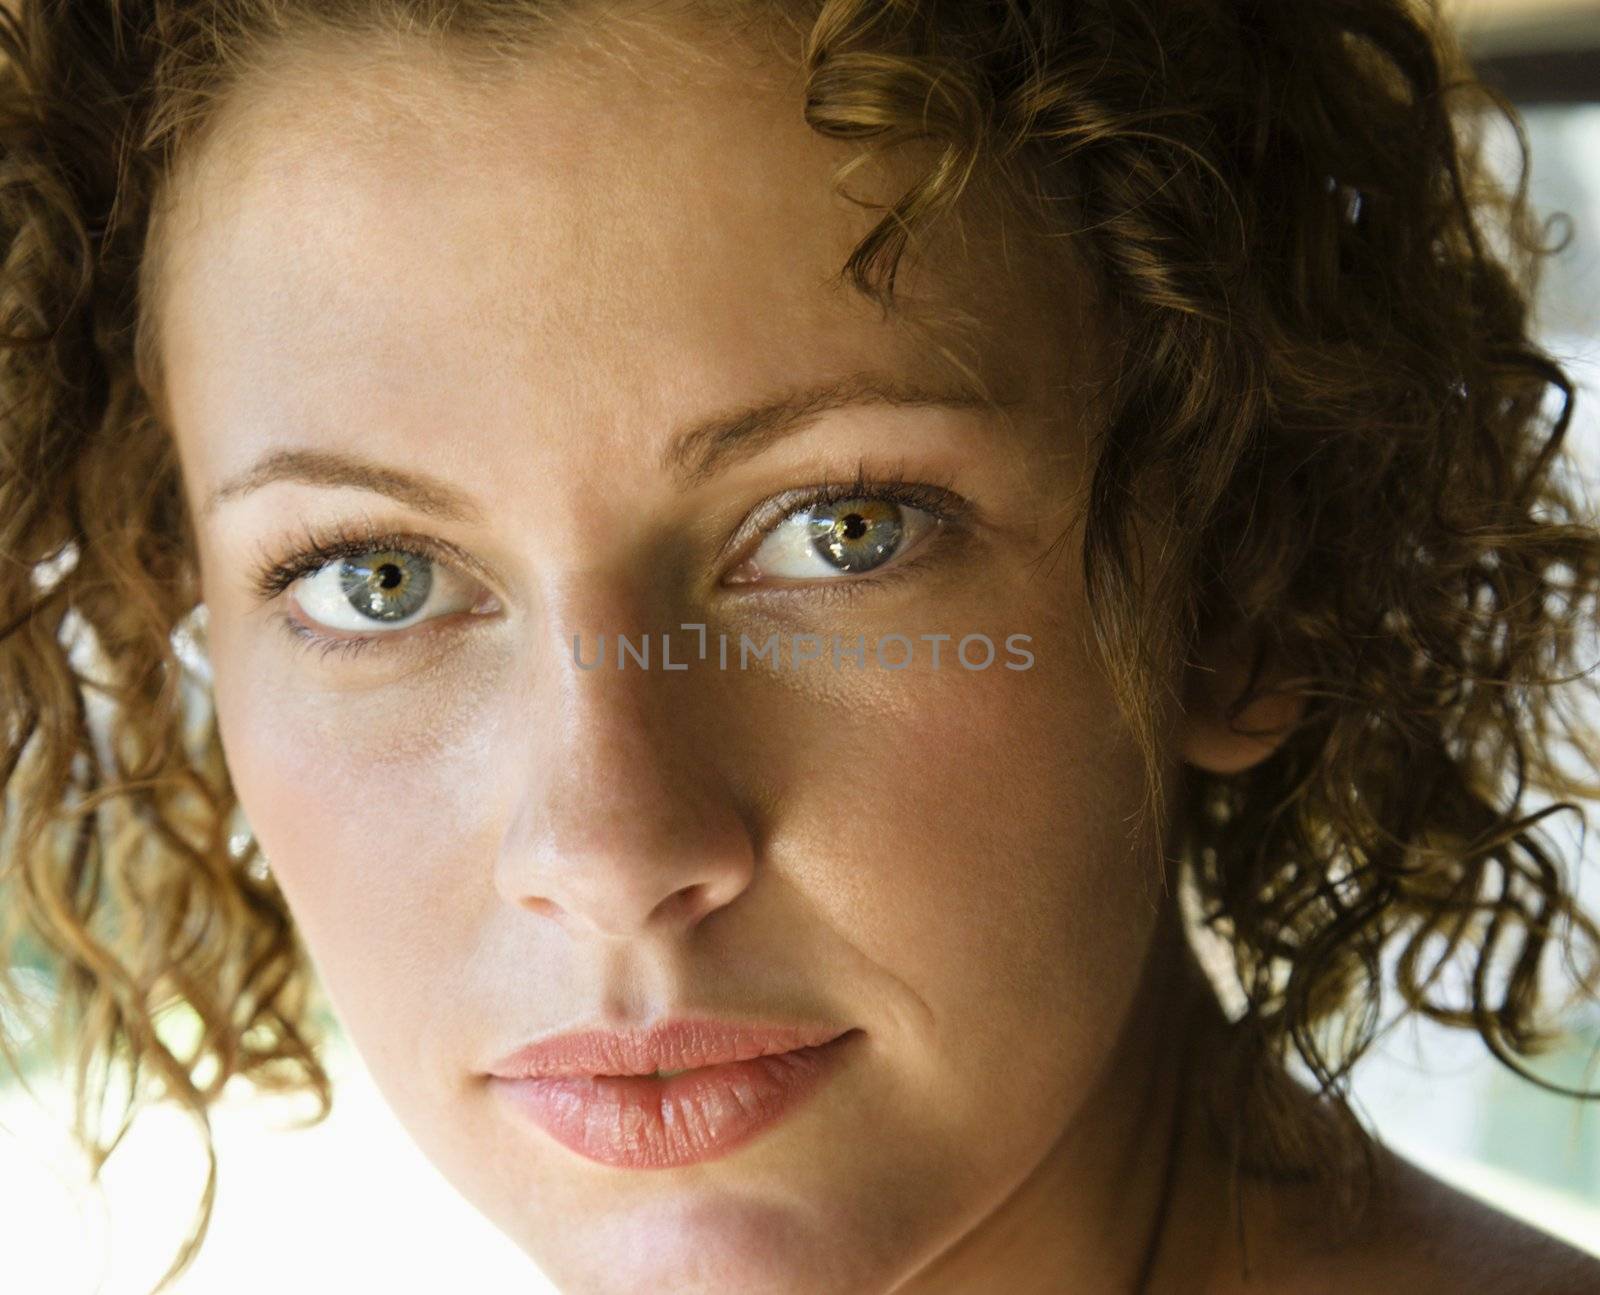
x: 683, y: 904
x: 544, y: 907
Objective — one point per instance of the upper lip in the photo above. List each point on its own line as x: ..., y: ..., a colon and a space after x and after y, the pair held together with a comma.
x: 682, y: 1044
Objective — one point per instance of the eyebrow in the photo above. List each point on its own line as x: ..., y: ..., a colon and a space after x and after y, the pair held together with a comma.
x: 693, y: 455
x: 417, y: 490
x: 696, y: 454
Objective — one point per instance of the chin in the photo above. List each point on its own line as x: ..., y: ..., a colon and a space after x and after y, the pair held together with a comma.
x: 718, y: 1245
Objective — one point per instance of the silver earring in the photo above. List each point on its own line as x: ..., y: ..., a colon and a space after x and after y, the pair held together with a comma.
x: 259, y: 869
x: 189, y: 642
x: 239, y: 845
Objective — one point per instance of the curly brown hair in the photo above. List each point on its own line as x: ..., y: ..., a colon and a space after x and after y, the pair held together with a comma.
x: 1324, y: 373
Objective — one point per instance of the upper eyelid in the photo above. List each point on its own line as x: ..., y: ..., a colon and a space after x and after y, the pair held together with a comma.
x: 321, y: 547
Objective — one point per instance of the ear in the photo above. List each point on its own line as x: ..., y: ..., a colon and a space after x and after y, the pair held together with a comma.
x: 1215, y: 678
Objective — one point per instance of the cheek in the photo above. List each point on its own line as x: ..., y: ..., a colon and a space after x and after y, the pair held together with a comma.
x: 356, y: 798
x: 965, y: 838
x: 978, y: 855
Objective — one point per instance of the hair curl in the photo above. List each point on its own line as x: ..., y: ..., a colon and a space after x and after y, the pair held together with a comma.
x: 1324, y: 358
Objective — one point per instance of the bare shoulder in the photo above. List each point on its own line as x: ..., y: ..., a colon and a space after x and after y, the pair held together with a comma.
x: 1241, y: 1233
x: 1424, y: 1237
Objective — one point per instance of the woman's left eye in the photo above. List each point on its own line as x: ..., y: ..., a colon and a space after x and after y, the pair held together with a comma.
x: 390, y: 589
x: 833, y: 538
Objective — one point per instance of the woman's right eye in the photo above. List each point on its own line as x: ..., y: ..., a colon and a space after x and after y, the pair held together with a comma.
x: 388, y: 589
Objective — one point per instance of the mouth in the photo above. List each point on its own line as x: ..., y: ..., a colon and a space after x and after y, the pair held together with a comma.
x: 668, y: 1120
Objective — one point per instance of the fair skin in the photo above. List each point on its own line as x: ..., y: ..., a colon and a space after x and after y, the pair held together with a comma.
x: 522, y: 290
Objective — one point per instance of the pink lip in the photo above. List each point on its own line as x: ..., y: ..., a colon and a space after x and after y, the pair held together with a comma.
x: 596, y: 1093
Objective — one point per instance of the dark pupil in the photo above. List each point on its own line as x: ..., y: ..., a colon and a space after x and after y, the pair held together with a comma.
x: 857, y: 534
x: 390, y: 587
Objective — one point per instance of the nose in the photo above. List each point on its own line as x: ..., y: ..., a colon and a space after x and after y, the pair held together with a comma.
x: 623, y: 824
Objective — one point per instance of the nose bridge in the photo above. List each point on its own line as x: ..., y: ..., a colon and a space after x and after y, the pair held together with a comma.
x: 624, y: 821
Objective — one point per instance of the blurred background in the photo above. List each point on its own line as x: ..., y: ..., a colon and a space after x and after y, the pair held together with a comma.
x: 352, y: 1205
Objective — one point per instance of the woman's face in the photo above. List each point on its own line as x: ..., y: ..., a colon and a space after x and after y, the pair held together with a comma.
x: 483, y: 318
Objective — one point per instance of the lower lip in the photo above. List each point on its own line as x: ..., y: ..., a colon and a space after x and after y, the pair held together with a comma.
x: 640, y: 1122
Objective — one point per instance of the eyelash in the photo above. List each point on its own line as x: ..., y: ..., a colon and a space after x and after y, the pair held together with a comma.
x: 318, y: 547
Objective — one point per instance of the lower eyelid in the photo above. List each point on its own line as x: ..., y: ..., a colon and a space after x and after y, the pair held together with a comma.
x: 302, y: 637
x: 487, y: 605
x: 939, y: 545
x: 860, y: 585
x: 350, y: 645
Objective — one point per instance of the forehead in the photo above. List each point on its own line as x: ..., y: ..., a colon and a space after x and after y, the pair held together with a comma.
x: 595, y: 239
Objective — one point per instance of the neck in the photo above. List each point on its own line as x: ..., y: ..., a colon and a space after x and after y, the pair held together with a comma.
x: 1093, y: 1213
